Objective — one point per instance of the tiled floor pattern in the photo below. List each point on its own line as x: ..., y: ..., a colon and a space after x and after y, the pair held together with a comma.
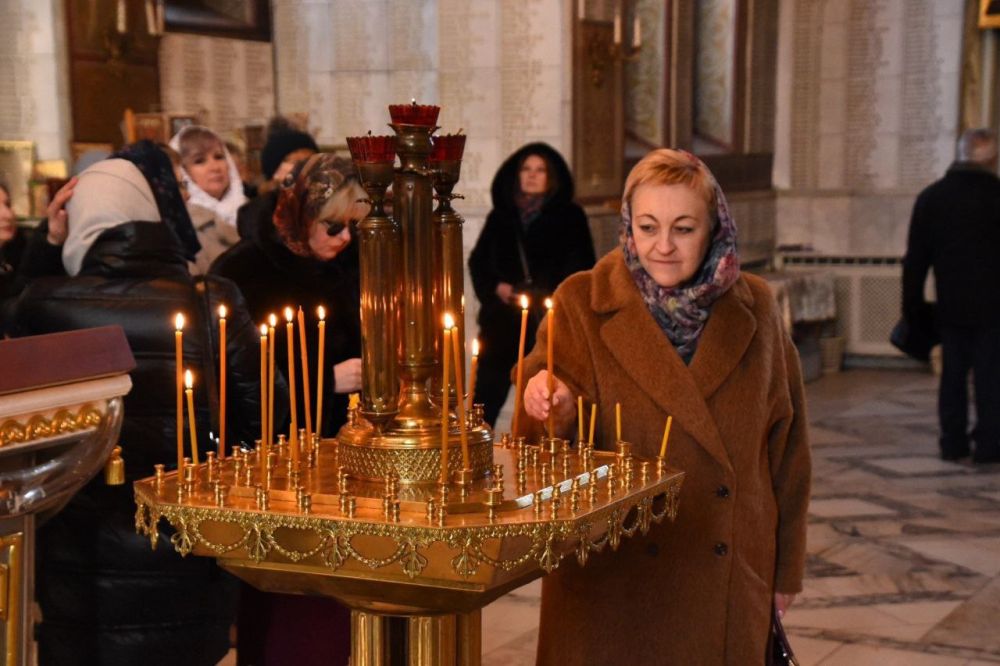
x: 904, y: 550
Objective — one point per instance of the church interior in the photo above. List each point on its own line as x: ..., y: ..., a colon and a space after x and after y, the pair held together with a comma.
x: 822, y: 121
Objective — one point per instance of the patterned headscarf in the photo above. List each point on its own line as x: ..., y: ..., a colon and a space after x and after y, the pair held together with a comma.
x: 304, y: 192
x: 155, y: 165
x: 682, y: 311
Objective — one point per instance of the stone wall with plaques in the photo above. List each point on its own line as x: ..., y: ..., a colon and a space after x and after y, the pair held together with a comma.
x: 227, y: 83
x: 34, y: 97
x: 499, y: 69
x: 868, y: 110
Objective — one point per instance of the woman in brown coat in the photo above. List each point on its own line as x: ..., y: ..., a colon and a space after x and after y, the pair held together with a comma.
x: 669, y: 326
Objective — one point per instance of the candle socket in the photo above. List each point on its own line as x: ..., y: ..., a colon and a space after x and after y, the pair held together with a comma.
x: 352, y: 506
x: 505, y: 439
x: 551, y: 444
x: 431, y: 510
x: 536, y: 503
x: 612, y: 479
x: 546, y: 474
x: 574, y: 497
x: 556, y: 502
x: 623, y: 450
x: 592, y: 490
x: 159, y: 471
x: 263, y: 501
x: 247, y: 475
x: 494, y: 498
x: 661, y: 466
x: 219, y: 494
x: 282, y: 445
x: 210, y: 467
x: 190, y: 476
x: 463, y: 478
x: 302, y: 498
x: 644, y: 472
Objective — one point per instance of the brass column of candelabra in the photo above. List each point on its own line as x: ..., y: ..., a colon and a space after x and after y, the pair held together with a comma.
x: 412, y: 274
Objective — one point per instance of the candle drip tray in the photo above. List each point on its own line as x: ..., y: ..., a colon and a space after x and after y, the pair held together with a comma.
x: 384, y: 546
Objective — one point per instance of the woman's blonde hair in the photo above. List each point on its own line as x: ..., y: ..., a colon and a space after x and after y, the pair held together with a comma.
x: 667, y: 166
x: 344, y: 205
x: 197, y: 140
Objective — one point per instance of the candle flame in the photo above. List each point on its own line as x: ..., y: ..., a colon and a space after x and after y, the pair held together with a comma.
x: 188, y: 379
x: 222, y: 312
x: 272, y: 320
x: 263, y: 330
x: 449, y: 321
x: 548, y: 304
x: 475, y: 346
x: 321, y: 312
x: 179, y: 321
x: 288, y: 315
x: 524, y: 302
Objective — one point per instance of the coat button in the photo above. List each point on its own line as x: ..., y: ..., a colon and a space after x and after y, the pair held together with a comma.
x: 722, y: 492
x: 721, y: 549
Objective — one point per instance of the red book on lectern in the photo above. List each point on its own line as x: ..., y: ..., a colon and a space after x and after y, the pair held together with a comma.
x: 40, y: 361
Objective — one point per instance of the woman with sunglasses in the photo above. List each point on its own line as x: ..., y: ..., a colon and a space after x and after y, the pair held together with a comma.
x: 301, y: 252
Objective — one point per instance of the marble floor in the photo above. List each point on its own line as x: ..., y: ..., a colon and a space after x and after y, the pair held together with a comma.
x: 904, y: 549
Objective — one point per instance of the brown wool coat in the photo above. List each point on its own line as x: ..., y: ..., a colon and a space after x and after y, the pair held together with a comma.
x: 699, y: 590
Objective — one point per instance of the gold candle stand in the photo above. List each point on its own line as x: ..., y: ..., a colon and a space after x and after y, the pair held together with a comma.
x: 390, y: 550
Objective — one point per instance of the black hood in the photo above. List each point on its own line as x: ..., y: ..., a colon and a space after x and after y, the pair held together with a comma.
x: 136, y: 249
x: 505, y: 183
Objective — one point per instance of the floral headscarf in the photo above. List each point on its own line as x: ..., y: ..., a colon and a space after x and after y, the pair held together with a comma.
x: 304, y: 192
x: 682, y: 311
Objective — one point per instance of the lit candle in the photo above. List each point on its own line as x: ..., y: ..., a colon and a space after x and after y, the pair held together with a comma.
x: 593, y: 422
x: 460, y: 395
x: 579, y: 419
x: 293, y: 435
x: 666, y: 437
x: 121, y: 18
x: 272, y: 321
x: 263, y: 397
x: 178, y: 365
x: 306, y: 389
x: 189, y: 391
x: 618, y: 421
x: 473, y: 371
x: 519, y: 384
x: 445, y: 354
x: 320, y: 370
x: 636, y: 32
x: 551, y: 336
x: 222, y: 382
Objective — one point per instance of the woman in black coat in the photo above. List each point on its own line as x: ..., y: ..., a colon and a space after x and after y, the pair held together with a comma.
x: 534, y: 238
x: 300, y: 252
x: 106, y: 596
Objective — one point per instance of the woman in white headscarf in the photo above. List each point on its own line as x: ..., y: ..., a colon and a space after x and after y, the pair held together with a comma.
x: 213, y: 177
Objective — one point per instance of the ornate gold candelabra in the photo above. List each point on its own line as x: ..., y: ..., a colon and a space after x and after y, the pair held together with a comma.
x: 368, y: 518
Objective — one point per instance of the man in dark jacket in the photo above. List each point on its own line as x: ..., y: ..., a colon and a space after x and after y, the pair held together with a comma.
x: 955, y: 229
x: 534, y: 238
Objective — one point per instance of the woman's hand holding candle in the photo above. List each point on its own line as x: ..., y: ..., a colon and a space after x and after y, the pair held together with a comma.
x: 536, y: 402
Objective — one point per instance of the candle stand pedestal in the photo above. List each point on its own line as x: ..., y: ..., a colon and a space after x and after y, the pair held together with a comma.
x: 388, y: 551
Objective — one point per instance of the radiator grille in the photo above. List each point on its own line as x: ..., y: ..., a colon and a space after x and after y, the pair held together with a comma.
x: 868, y: 295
